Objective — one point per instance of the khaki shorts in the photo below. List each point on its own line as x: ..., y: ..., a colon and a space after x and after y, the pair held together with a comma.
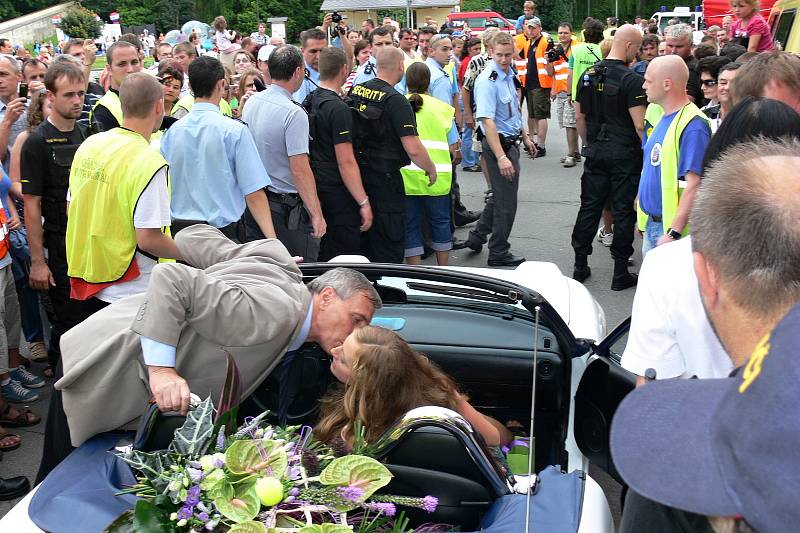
x: 538, y: 103
x: 565, y: 111
x: 9, y: 316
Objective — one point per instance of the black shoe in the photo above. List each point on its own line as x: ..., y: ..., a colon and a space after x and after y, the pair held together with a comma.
x: 581, y: 273
x: 620, y: 282
x: 577, y: 156
x: 475, y: 246
x: 14, y: 487
x: 541, y: 151
x: 459, y: 244
x: 466, y: 217
x: 427, y: 251
x: 473, y: 168
x: 508, y: 260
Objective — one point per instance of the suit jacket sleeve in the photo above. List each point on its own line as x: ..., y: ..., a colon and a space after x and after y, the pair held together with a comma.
x: 202, y: 246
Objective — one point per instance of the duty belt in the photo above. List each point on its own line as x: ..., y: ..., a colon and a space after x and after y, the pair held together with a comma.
x: 507, y: 141
x: 296, y: 211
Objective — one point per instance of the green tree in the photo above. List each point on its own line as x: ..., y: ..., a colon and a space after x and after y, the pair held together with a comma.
x: 80, y: 23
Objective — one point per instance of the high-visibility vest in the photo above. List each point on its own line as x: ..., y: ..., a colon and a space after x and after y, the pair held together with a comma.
x: 545, y: 81
x: 561, y: 67
x: 109, y: 173
x: 187, y: 102
x: 434, y: 121
x: 671, y: 187
x: 110, y: 101
x: 521, y: 44
x: 583, y: 57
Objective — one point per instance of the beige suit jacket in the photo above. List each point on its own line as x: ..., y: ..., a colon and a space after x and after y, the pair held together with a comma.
x: 249, y: 300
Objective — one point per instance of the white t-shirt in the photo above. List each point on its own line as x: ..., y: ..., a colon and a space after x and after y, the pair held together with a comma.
x: 152, y: 211
x: 670, y: 331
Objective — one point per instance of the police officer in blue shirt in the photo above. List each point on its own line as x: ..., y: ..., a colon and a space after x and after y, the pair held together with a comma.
x: 214, y: 163
x: 379, y: 38
x: 312, y: 41
x: 500, y: 118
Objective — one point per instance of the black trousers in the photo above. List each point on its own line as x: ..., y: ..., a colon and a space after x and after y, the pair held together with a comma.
x: 612, y: 180
x: 292, y: 225
x: 385, y: 241
x: 500, y: 211
x: 641, y: 514
x: 343, y: 218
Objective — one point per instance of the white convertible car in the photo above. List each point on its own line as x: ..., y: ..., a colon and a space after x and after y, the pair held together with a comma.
x: 484, y: 327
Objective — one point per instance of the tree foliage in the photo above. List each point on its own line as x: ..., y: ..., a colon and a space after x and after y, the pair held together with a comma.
x: 80, y: 23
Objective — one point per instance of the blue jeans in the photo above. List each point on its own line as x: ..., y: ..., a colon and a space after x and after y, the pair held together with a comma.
x: 437, y: 212
x: 652, y: 232
x: 469, y: 157
x: 32, y: 326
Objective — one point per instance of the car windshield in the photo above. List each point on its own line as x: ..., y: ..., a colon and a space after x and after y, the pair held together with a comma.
x: 664, y: 21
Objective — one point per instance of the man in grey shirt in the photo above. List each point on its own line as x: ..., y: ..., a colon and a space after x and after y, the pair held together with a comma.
x: 13, y: 109
x: 280, y: 129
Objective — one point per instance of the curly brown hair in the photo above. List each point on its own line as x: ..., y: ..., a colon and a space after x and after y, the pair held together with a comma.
x: 36, y: 110
x: 389, y: 378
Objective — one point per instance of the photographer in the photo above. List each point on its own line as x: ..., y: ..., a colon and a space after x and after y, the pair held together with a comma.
x: 336, y: 28
x: 558, y: 57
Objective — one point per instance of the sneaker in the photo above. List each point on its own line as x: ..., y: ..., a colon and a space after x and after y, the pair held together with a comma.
x: 38, y: 351
x: 541, y: 151
x: 473, y: 168
x: 14, y: 392
x: 577, y: 156
x: 26, y: 378
x: 568, y: 161
x: 605, y: 238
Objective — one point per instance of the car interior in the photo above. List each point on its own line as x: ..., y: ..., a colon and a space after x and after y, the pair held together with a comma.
x: 486, y: 346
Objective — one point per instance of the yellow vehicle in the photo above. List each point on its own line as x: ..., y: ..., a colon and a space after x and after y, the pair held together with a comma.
x: 784, y: 24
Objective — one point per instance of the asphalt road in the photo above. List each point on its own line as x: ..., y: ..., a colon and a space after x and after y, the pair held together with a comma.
x: 548, y: 203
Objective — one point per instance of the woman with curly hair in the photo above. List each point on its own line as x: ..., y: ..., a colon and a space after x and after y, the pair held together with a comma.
x: 383, y: 378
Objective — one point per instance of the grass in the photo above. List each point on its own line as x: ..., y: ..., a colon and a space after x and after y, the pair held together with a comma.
x: 100, y: 62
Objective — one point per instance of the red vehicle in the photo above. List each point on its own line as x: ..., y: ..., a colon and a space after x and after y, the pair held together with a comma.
x: 715, y: 10
x: 476, y: 20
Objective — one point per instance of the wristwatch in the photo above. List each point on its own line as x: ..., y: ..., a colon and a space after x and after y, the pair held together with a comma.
x: 674, y: 234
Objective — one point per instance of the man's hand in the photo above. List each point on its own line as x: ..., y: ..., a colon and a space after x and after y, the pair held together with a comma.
x: 506, y: 167
x: 366, y: 217
x: 431, y: 177
x: 170, y: 391
x: 13, y: 223
x: 455, y: 155
x: 35, y: 87
x: 326, y: 21
x: 664, y: 240
x: 530, y: 145
x: 14, y: 110
x: 90, y: 51
x: 319, y: 225
x: 40, y: 277
x: 469, y: 120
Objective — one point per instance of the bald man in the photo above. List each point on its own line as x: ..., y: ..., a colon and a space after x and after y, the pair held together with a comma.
x: 386, y: 141
x: 676, y: 136
x: 611, y: 111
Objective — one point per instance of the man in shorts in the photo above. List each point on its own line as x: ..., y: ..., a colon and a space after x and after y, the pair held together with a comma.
x: 561, y: 93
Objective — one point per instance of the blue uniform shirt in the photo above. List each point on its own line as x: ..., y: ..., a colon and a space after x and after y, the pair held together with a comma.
x: 369, y: 71
x: 441, y: 86
x: 213, y: 165
x: 308, y: 86
x: 496, y: 98
x: 693, y: 143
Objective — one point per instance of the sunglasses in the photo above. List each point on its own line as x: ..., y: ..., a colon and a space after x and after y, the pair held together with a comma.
x: 709, y: 83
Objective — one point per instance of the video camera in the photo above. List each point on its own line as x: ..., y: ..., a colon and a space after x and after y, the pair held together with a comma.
x: 553, y: 52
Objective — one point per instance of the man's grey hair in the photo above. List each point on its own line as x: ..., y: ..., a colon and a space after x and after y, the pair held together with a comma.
x: 12, y: 61
x: 680, y: 31
x: 488, y: 35
x: 347, y: 283
x: 745, y: 223
x: 64, y: 58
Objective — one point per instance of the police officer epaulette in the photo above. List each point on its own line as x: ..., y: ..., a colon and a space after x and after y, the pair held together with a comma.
x: 493, y: 75
x: 517, y: 83
x: 307, y: 73
x: 369, y: 68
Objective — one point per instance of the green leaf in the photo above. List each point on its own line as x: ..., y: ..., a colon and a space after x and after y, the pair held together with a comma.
x: 245, y: 457
x: 243, y: 506
x: 147, y: 518
x: 191, y: 439
x: 248, y: 527
x: 122, y: 524
x: 359, y: 471
x: 325, y: 528
x: 213, y: 482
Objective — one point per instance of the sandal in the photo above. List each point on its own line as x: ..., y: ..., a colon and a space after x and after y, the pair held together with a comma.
x: 24, y: 418
x: 15, y: 443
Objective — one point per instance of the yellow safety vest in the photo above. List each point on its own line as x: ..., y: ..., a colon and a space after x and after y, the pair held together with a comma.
x: 187, y: 102
x: 110, y: 101
x: 434, y: 121
x: 671, y: 187
x: 109, y: 173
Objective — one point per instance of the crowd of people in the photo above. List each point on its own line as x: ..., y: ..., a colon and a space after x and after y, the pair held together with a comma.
x: 352, y: 144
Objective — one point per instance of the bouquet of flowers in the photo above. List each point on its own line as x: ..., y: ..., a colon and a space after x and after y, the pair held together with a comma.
x: 259, y: 479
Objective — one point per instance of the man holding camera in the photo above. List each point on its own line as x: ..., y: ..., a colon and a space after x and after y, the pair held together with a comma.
x: 538, y: 82
x: 561, y: 94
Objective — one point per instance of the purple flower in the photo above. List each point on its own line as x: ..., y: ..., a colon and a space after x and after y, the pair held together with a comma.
x: 196, y: 465
x: 202, y: 507
x: 351, y: 493
x: 218, y: 463
x: 203, y: 517
x: 185, y: 512
x: 430, y: 503
x: 193, y: 495
x: 294, y: 491
x: 195, y: 475
x: 386, y: 508
x: 220, y: 440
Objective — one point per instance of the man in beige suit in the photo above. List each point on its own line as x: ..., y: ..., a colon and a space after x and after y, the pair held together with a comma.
x: 248, y: 300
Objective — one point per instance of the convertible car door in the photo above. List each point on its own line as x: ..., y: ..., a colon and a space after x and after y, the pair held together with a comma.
x: 602, y: 387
